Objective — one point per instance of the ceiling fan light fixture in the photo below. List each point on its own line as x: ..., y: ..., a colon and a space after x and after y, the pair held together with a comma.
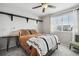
x: 45, y: 6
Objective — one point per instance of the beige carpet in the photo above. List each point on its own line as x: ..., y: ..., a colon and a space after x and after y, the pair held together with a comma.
x: 65, y: 51
x: 61, y: 51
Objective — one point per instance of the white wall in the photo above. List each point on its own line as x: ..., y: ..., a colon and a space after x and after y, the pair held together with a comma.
x: 5, y: 24
x: 45, y: 24
x: 78, y: 20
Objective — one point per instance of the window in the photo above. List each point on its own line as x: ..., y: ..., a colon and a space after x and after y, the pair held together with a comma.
x: 56, y: 23
x: 67, y: 22
x: 62, y: 22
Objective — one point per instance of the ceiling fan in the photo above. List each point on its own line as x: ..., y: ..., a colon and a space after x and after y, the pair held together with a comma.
x: 44, y: 6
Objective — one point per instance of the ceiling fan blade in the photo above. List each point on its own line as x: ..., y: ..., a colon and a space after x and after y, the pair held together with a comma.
x: 43, y: 10
x: 51, y: 6
x: 37, y: 7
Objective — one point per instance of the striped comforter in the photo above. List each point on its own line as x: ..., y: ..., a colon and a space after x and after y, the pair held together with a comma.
x: 43, y: 43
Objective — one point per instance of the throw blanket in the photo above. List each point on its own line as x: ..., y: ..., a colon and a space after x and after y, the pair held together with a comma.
x: 43, y: 43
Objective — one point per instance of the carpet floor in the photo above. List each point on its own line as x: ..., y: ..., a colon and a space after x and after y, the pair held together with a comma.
x: 61, y: 51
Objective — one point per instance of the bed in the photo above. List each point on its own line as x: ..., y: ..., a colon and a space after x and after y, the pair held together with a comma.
x: 36, y: 44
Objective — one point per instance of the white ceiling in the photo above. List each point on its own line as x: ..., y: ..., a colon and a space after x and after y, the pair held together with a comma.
x: 28, y: 7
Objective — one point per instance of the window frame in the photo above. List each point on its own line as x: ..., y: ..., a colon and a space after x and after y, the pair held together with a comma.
x: 62, y: 15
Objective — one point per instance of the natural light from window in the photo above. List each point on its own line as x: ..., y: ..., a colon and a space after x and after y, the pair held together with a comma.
x: 63, y: 22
